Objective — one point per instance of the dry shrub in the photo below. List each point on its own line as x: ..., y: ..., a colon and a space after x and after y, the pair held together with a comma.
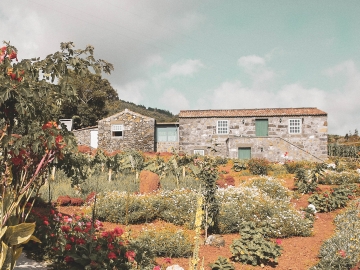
x: 149, y: 182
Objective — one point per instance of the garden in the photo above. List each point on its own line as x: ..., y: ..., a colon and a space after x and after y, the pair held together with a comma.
x: 99, y: 212
x: 133, y: 210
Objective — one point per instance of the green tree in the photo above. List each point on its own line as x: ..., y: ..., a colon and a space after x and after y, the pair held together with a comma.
x: 94, y: 95
x: 30, y: 103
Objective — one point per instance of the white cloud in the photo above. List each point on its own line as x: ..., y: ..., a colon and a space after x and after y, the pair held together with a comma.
x: 250, y: 61
x: 174, y: 101
x: 255, y: 66
x: 132, y: 91
x: 184, y: 68
x: 341, y: 104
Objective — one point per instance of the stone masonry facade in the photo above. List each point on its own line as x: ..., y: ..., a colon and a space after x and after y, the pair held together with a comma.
x: 137, y: 132
x: 83, y: 135
x: 198, y: 131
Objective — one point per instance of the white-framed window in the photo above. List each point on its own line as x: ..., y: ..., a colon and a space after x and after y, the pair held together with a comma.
x: 222, y: 127
x: 199, y: 152
x: 294, y: 126
x: 117, y: 131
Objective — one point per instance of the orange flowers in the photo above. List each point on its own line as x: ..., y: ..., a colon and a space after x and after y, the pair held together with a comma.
x: 50, y: 124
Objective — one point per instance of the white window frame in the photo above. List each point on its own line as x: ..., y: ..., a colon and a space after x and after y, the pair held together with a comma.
x: 295, y: 126
x: 221, y: 128
x: 199, y: 152
x: 115, y: 128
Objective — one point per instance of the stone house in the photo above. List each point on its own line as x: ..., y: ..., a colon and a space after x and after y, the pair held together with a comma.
x: 129, y: 130
x: 275, y: 134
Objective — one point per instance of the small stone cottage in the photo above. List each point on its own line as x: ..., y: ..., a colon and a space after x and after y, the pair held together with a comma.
x: 275, y: 134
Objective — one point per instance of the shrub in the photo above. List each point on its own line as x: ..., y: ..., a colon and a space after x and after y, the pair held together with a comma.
x: 222, y: 264
x: 258, y: 166
x: 336, y: 198
x: 235, y: 206
x: 76, y: 242
x: 271, y: 186
x: 339, y: 178
x: 342, y: 250
x: 254, y: 246
x: 239, y: 165
x: 177, y: 207
x: 293, y: 166
x: 166, y: 241
x: 251, y: 204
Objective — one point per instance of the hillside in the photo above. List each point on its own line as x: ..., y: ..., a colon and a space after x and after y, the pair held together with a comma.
x: 159, y: 115
x: 344, y: 140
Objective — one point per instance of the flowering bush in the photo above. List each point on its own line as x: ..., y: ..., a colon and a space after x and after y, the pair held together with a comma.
x: 339, y: 178
x: 77, y: 242
x: 252, y: 204
x: 336, y: 198
x: 264, y: 199
x: 342, y: 250
x: 258, y: 166
x: 166, y: 241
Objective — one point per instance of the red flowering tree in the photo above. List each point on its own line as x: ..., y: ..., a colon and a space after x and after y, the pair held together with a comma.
x: 31, y: 94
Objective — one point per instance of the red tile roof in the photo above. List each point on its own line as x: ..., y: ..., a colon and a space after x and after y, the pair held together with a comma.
x: 252, y: 112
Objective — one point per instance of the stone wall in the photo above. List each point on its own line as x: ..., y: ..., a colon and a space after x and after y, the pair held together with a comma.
x: 200, y: 133
x: 83, y: 135
x: 167, y: 147
x: 138, y: 133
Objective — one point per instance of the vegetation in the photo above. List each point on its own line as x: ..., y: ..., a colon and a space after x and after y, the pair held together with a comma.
x: 29, y: 103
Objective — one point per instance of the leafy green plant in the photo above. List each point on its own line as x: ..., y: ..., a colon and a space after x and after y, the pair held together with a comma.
x: 254, y: 247
x: 307, y: 181
x: 258, y: 166
x: 239, y: 165
x: 222, y: 264
x: 336, y: 198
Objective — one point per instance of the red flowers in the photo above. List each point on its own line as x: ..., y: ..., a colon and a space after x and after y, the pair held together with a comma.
x: 65, y: 229
x: 342, y: 253
x: 68, y: 259
x: 13, y: 55
x: 67, y: 247
x: 278, y: 241
x: 130, y: 255
x: 111, y: 255
x: 118, y: 231
x: 49, y: 124
x: 46, y: 222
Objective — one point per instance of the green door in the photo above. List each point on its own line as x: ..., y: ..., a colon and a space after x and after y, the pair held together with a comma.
x: 261, y: 127
x: 244, y: 153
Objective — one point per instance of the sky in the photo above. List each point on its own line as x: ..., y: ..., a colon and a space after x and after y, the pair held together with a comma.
x: 208, y: 54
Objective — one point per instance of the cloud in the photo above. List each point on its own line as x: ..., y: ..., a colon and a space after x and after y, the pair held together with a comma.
x: 255, y: 66
x: 250, y: 61
x: 132, y: 91
x: 341, y: 103
x: 184, y: 68
x: 174, y: 101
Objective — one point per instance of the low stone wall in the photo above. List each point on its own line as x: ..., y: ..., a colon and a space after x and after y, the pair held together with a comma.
x: 83, y: 135
x: 167, y: 147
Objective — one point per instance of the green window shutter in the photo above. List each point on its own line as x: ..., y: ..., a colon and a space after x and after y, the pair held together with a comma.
x: 244, y: 153
x: 261, y: 127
